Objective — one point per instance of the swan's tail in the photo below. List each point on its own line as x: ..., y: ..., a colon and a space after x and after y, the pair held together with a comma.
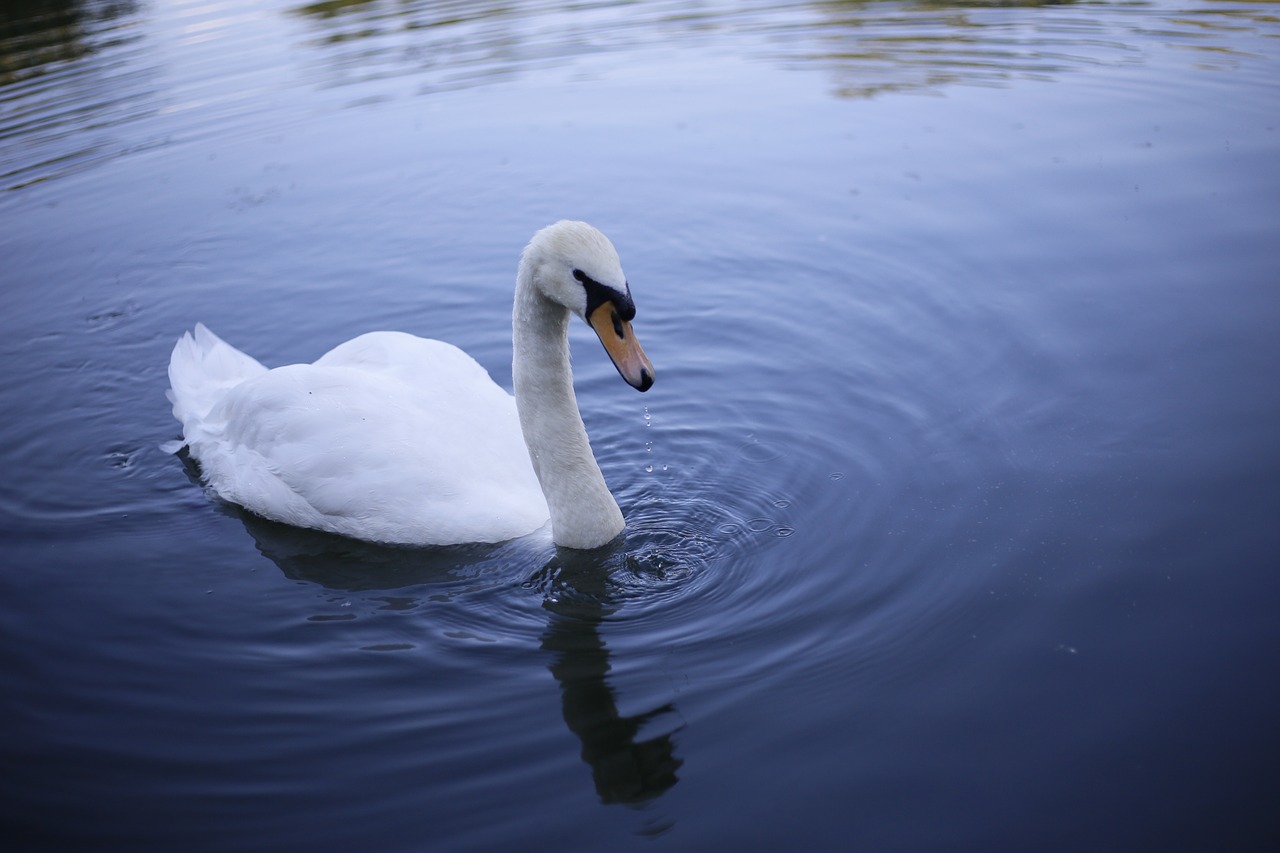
x: 202, y: 369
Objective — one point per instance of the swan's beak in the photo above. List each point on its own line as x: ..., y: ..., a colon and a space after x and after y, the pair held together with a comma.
x: 621, y: 344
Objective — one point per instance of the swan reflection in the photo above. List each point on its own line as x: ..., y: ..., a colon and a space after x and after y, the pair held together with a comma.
x: 350, y: 565
x: 625, y: 768
x: 630, y: 764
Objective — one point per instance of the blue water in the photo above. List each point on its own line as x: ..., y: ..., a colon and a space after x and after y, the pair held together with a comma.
x: 952, y: 513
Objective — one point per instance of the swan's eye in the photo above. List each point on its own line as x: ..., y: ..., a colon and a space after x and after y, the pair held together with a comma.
x: 620, y: 304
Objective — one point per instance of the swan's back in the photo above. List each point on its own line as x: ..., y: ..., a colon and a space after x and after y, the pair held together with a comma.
x: 387, y: 437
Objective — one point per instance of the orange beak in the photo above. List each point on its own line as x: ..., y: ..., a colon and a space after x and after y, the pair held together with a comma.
x: 621, y: 344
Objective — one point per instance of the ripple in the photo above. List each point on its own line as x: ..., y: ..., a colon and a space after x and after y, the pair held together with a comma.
x: 866, y: 49
x: 759, y: 452
x: 96, y: 83
x: 65, y: 75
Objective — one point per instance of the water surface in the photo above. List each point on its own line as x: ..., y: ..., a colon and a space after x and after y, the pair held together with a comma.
x: 951, y: 514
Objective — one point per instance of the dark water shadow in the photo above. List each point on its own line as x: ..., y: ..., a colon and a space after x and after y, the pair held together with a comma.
x: 350, y: 565
x: 627, y: 767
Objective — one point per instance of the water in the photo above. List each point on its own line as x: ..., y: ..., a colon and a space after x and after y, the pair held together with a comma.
x: 951, y: 514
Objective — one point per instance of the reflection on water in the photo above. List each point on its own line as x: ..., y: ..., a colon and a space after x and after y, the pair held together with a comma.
x: 71, y: 72
x: 625, y: 768
x: 37, y: 34
x: 350, y: 565
x: 867, y: 47
x: 629, y: 764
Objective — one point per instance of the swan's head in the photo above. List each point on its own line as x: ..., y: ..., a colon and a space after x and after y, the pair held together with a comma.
x: 574, y: 265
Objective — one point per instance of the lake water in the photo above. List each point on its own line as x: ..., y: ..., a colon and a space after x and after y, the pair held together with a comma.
x: 953, y: 513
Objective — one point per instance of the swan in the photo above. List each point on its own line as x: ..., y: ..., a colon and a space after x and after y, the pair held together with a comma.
x: 398, y: 439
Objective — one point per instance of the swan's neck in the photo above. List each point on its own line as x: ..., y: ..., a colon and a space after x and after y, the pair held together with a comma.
x: 583, y: 512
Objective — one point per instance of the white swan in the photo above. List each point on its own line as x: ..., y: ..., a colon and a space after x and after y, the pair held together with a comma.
x: 398, y: 439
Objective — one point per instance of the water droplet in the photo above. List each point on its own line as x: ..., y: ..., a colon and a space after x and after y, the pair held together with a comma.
x: 836, y: 475
x: 648, y: 469
x: 785, y: 531
x: 756, y: 451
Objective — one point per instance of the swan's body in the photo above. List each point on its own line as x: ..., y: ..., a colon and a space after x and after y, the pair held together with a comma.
x: 399, y: 439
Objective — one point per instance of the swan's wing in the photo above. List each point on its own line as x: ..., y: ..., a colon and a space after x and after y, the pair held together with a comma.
x: 431, y: 368
x: 387, y: 437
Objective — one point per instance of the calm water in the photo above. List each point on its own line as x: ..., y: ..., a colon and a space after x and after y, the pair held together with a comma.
x: 953, y: 512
